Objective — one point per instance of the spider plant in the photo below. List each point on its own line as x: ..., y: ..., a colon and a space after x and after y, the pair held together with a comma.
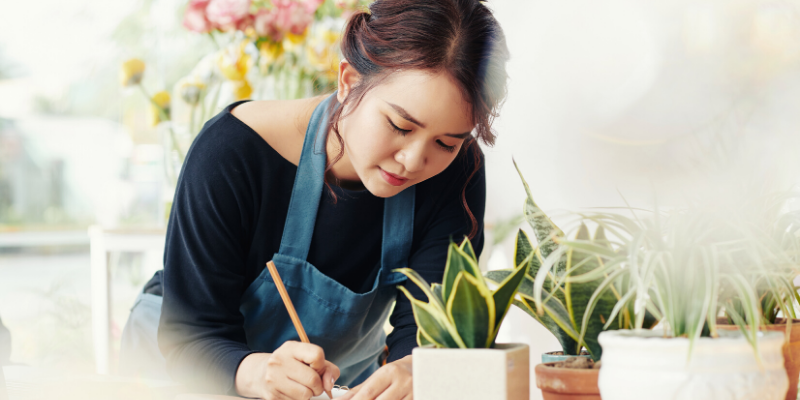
x: 774, y: 257
x: 563, y: 281
x: 687, y: 266
x: 462, y: 312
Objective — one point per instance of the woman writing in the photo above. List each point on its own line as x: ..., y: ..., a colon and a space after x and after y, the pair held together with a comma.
x: 338, y: 191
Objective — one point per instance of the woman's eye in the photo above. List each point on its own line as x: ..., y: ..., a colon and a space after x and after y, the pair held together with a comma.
x: 445, y: 147
x: 396, y: 129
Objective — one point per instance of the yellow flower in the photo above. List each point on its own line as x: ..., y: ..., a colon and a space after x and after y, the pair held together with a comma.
x: 190, y: 91
x: 297, y: 39
x: 270, y: 51
x: 160, y: 101
x: 131, y: 72
x: 323, y: 55
x: 242, y: 90
x: 234, y: 63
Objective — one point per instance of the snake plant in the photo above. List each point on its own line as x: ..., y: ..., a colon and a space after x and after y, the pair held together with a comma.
x: 462, y: 312
x: 561, y: 288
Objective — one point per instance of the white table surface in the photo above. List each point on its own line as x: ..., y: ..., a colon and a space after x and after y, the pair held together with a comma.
x: 29, y: 383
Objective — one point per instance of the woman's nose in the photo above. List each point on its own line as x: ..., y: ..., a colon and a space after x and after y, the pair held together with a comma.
x: 412, y: 156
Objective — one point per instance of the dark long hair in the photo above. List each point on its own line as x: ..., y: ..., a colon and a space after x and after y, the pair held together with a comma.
x: 459, y: 37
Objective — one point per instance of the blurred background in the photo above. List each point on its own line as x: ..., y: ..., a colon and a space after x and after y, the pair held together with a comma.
x: 610, y: 102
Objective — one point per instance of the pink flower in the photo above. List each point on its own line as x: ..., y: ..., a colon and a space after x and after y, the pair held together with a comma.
x: 348, y: 7
x: 265, y: 24
x: 292, y: 16
x: 228, y: 14
x: 195, y: 18
x: 285, y: 17
x: 245, y: 23
x: 346, y: 4
x: 312, y: 5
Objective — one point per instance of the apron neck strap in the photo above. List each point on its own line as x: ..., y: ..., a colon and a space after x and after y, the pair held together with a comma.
x: 398, y: 212
x: 307, y: 189
x: 398, y: 230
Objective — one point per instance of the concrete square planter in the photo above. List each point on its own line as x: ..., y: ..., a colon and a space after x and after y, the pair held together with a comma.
x: 502, y: 373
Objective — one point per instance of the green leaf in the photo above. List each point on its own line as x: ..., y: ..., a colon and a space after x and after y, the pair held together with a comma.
x: 504, y: 294
x: 555, y: 309
x: 543, y: 228
x: 499, y: 275
x: 600, y: 237
x: 413, y: 276
x: 435, y: 324
x: 457, y: 261
x: 597, y: 305
x: 436, y: 288
x: 583, y: 233
x: 466, y: 247
x: 589, y: 248
x: 568, y: 344
x: 523, y: 248
x: 472, y: 310
x: 423, y: 339
x: 542, y: 275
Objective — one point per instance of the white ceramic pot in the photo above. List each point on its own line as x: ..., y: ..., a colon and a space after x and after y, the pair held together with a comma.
x: 645, y: 365
x: 501, y: 373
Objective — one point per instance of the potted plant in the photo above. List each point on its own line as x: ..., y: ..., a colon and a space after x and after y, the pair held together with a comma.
x: 685, y: 267
x: 458, y: 357
x: 776, y: 264
x: 569, y: 279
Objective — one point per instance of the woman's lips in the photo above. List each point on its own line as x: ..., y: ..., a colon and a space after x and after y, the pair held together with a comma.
x: 392, y: 179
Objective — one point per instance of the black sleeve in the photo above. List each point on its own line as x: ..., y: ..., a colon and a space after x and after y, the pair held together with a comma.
x: 449, y: 221
x: 201, y: 330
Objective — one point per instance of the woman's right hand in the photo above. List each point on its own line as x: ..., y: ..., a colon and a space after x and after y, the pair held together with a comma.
x: 295, y: 371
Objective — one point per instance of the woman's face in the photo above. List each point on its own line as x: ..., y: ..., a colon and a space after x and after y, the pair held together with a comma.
x: 405, y: 130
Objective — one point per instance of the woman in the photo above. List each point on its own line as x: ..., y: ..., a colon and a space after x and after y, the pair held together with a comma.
x: 338, y: 190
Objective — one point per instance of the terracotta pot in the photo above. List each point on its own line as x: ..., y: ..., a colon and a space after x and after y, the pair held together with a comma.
x: 791, y: 350
x: 567, y: 383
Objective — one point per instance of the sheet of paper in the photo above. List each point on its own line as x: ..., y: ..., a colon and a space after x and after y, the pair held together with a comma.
x: 336, y: 393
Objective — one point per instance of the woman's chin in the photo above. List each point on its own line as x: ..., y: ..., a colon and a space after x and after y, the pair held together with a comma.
x: 384, y: 190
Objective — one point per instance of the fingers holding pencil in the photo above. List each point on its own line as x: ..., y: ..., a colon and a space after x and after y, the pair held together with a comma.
x: 296, y: 371
x: 326, y: 370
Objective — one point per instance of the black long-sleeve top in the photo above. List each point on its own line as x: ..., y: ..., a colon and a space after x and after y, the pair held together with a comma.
x: 227, y: 221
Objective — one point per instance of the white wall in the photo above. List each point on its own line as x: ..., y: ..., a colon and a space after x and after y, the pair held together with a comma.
x: 679, y: 100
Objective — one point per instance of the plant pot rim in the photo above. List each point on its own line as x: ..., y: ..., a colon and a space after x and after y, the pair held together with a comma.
x: 551, y: 366
x: 656, y: 337
x: 778, y: 322
x: 498, y: 347
x: 561, y: 351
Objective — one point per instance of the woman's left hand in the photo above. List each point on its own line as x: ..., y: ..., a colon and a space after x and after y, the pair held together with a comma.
x: 390, y: 382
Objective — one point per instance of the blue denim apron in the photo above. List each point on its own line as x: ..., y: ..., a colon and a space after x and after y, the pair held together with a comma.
x: 347, y: 325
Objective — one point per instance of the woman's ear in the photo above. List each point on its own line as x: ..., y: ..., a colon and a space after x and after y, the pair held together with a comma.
x: 348, y: 78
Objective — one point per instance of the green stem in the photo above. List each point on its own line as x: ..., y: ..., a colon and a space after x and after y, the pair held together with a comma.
x: 214, y: 39
x: 216, y: 97
x: 300, y: 87
x: 203, y: 105
x: 191, y: 120
x: 163, y: 113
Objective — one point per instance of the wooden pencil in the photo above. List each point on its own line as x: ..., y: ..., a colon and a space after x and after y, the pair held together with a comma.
x: 276, y: 277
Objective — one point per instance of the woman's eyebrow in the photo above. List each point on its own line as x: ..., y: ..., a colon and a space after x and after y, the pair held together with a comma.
x: 403, y: 113
x: 459, y: 135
